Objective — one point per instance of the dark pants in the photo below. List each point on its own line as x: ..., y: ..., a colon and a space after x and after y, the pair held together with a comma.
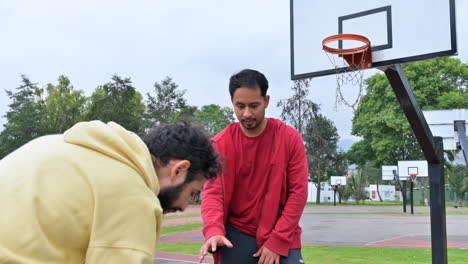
x: 245, y: 246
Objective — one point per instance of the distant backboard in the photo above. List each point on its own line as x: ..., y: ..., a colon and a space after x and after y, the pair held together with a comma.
x: 338, y: 180
x: 387, y: 172
x: 441, y: 123
x: 407, y: 167
x: 400, y: 31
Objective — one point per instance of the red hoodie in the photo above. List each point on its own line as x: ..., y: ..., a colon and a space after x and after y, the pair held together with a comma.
x: 286, y: 195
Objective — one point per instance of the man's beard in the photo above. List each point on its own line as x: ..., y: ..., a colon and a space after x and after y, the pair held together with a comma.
x: 168, y: 196
x: 255, y: 123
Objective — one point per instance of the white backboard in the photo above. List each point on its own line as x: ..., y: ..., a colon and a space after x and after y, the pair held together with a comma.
x: 400, y: 31
x: 338, y: 180
x: 387, y: 172
x: 441, y: 124
x: 406, y: 167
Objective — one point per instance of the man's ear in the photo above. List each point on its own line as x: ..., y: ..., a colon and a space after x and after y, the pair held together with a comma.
x: 267, y: 100
x: 179, y: 171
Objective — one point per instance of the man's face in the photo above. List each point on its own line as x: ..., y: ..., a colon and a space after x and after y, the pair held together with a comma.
x: 175, y: 198
x: 249, y: 106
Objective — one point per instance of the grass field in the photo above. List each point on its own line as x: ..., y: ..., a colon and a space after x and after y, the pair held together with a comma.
x: 374, y: 203
x: 170, y: 230
x: 180, y: 216
x: 407, y: 213
x: 384, y: 203
x: 332, y: 254
x: 349, y: 255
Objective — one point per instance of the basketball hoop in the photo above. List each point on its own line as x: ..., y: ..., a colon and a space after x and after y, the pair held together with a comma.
x: 413, y: 176
x: 349, y: 63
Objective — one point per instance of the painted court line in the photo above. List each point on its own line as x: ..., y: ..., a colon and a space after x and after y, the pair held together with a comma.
x: 383, y: 240
x: 183, y: 257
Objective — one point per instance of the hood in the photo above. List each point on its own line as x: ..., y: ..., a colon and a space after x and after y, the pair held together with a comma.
x: 117, y: 143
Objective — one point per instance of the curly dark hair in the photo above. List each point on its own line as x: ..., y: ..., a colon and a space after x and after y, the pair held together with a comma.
x: 184, y: 141
x: 250, y: 79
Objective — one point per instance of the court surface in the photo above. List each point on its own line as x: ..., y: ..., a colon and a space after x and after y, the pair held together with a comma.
x: 367, y: 226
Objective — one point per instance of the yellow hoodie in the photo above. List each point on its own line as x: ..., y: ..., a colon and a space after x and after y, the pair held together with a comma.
x: 87, y: 196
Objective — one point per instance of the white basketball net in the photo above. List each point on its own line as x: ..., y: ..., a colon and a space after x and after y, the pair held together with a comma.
x: 346, y: 75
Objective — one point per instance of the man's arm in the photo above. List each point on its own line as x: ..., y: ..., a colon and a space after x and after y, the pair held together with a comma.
x: 212, y: 209
x: 213, y: 217
x: 297, y: 179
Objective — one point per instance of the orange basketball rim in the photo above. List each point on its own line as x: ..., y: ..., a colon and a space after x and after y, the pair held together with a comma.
x: 357, y: 58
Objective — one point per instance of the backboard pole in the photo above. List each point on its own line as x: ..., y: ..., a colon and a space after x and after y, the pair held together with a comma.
x: 411, y: 193
x: 402, y: 188
x: 334, y: 196
x: 460, y: 129
x: 432, y: 148
x: 438, y: 224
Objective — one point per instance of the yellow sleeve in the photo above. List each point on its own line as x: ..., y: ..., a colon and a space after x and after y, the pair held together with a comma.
x: 117, y: 255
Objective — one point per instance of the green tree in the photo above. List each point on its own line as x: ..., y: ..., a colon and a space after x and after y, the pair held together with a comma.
x: 345, y: 192
x: 118, y: 101
x: 339, y: 167
x: 63, y: 106
x: 23, y: 118
x: 167, y: 104
x: 298, y: 110
x: 358, y: 184
x: 458, y: 179
x: 214, y: 118
x: 373, y: 175
x: 379, y: 120
x: 339, y: 164
x: 320, y: 139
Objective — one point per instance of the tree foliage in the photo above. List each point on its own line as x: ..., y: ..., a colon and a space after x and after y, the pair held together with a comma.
x: 373, y: 175
x: 320, y: 139
x: 167, y: 103
x: 319, y: 133
x: 358, y: 184
x: 298, y: 110
x: 345, y: 192
x: 379, y: 120
x: 214, y: 118
x: 339, y: 166
x: 118, y: 101
x: 63, y: 106
x: 35, y: 111
x: 23, y: 117
x: 458, y: 179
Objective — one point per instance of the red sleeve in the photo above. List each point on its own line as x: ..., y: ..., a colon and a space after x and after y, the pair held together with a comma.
x: 212, y: 208
x: 281, y: 237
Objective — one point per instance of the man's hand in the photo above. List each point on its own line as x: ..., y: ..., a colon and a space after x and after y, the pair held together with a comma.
x: 267, y: 256
x: 212, y: 243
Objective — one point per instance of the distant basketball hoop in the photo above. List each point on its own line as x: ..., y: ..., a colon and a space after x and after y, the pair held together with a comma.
x: 413, y: 176
x: 349, y: 63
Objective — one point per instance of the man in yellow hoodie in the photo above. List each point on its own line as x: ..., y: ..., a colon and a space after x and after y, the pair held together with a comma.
x: 96, y: 193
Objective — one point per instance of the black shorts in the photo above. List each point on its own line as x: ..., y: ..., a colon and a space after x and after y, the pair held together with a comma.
x: 246, y: 245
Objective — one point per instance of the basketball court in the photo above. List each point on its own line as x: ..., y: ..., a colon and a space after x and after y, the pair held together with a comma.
x: 344, y: 40
x: 363, y: 226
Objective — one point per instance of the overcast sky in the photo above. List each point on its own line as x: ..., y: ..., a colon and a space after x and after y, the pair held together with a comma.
x: 200, y: 44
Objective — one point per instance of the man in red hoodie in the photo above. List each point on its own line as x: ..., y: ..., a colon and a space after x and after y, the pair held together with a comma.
x: 251, y: 212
